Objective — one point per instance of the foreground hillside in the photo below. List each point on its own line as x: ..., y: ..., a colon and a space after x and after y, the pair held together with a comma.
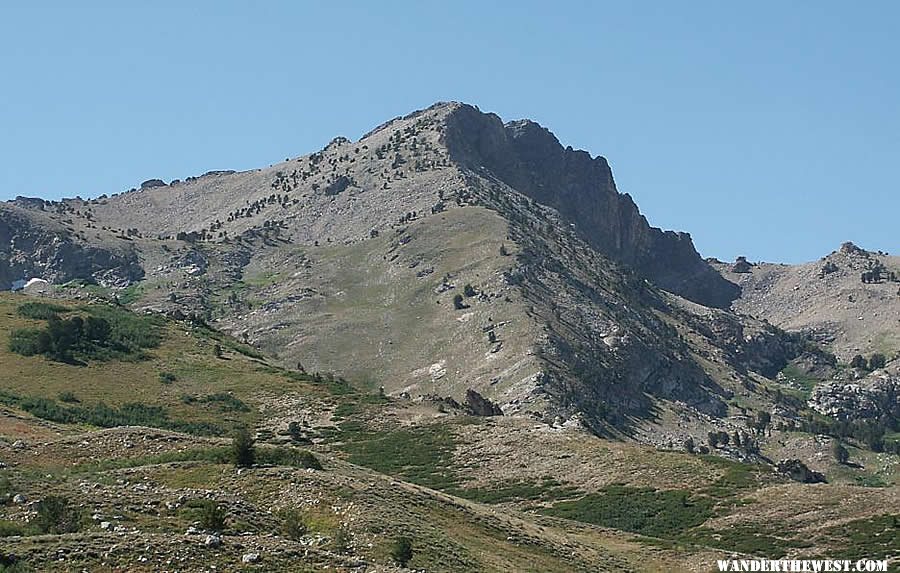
x: 343, y: 472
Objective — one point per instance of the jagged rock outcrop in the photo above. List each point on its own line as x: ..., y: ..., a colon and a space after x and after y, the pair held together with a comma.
x: 151, y: 183
x: 30, y: 250
x: 741, y: 265
x: 528, y: 158
x: 798, y: 471
x: 873, y: 397
x: 478, y: 405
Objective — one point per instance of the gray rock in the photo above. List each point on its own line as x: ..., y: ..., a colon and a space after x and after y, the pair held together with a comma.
x: 478, y: 405
x: 741, y: 265
x: 528, y: 157
x: 869, y: 398
x: 250, y: 558
x: 798, y: 471
x: 212, y: 541
x: 151, y: 183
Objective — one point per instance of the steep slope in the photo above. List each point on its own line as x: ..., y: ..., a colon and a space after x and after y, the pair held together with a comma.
x: 35, y: 243
x: 529, y: 159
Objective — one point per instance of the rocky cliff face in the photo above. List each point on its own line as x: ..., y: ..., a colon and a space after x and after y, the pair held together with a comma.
x: 529, y: 158
x: 31, y: 247
x: 874, y: 397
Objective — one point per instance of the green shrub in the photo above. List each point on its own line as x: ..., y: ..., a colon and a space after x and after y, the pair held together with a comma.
x: 293, y: 524
x: 287, y: 457
x: 68, y: 397
x: 40, y: 310
x: 402, y: 550
x: 29, y: 341
x: 340, y: 543
x: 56, y: 515
x: 131, y: 414
x: 658, y: 513
x: 167, y: 377
x: 840, y: 453
x: 11, y: 528
x: 226, y: 402
x: 212, y: 516
x: 128, y: 329
x: 243, y: 453
x: 12, y: 564
x: 6, y: 489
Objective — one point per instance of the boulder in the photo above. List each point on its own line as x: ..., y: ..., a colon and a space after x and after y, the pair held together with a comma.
x: 741, y: 265
x: 798, y: 471
x: 478, y: 405
x: 151, y: 183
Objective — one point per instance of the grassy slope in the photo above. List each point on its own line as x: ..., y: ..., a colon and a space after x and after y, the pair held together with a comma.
x: 384, y: 319
x: 185, y: 352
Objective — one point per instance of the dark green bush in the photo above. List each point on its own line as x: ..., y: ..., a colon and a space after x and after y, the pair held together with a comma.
x: 131, y: 414
x: 243, y: 452
x: 340, y: 543
x: 29, y: 341
x: 11, y: 528
x: 658, y: 513
x: 212, y: 516
x: 167, y: 377
x: 293, y: 524
x: 287, y: 457
x: 40, y: 310
x: 402, y: 550
x: 55, y: 514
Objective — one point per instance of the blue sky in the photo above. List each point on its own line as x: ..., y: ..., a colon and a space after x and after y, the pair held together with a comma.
x: 768, y: 129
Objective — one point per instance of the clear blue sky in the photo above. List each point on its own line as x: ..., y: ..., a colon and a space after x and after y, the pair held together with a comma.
x: 769, y: 129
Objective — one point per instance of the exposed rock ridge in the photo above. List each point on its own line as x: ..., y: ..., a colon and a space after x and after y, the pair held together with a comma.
x: 530, y: 159
x: 31, y: 249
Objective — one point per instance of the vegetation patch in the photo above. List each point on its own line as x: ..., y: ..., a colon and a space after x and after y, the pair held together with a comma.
x: 874, y: 538
x: 225, y: 402
x: 737, y: 478
x: 799, y: 379
x: 103, y: 416
x: 547, y: 489
x: 97, y: 332
x: 657, y: 513
x: 744, y: 539
x: 41, y: 310
x: 266, y: 455
x: 421, y: 455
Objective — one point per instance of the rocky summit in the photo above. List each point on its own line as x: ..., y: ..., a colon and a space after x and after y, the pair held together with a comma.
x: 451, y: 345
